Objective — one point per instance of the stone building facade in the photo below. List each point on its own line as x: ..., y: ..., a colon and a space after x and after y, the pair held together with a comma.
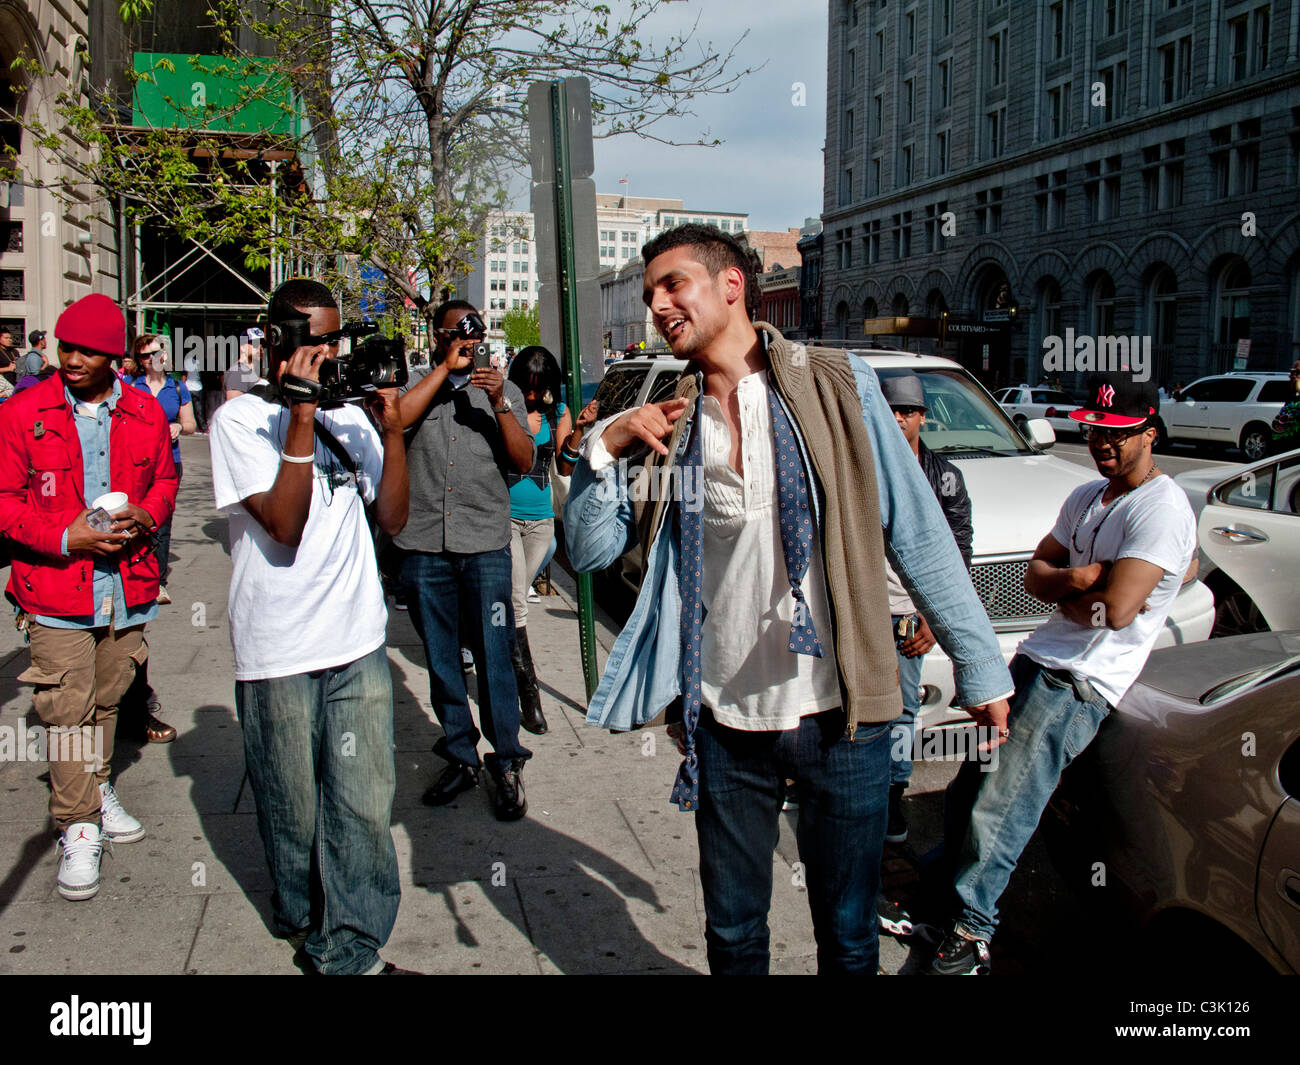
x: 53, y: 249
x: 1115, y: 167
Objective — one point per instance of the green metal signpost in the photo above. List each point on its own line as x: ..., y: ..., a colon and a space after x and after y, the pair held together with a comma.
x: 555, y: 108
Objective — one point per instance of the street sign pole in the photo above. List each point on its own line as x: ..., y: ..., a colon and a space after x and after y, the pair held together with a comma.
x: 568, y: 286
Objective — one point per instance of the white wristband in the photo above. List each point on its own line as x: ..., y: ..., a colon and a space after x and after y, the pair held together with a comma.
x: 297, y: 458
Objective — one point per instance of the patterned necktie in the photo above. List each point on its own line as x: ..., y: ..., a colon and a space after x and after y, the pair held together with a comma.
x: 796, y: 525
x: 690, y: 585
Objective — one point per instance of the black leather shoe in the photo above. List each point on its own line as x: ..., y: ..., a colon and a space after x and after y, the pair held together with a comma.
x: 508, y: 802
x: 456, y: 778
x: 530, y: 696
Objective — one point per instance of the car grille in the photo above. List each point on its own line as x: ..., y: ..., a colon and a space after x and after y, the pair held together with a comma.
x: 1001, y: 588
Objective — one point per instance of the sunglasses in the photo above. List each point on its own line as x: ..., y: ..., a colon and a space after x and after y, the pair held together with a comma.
x: 1112, y: 436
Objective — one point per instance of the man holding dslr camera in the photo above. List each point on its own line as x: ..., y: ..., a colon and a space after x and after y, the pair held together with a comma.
x: 468, y: 428
x: 292, y: 467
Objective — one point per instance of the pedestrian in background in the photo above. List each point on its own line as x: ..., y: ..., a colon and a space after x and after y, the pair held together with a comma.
x: 84, y: 592
x: 34, y: 361
x: 151, y: 363
x: 532, y: 512
x: 8, y: 357
x: 247, y: 371
x: 468, y: 429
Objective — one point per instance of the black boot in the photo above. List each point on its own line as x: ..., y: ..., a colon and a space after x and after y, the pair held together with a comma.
x: 508, y: 802
x: 530, y: 696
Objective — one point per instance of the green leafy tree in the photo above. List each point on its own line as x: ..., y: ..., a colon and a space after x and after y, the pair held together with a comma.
x: 414, y: 125
x: 520, y: 327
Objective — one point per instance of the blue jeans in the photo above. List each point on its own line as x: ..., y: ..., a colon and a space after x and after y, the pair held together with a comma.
x: 902, y: 730
x: 319, y: 752
x: 843, y: 791
x: 992, y: 815
x: 441, y: 588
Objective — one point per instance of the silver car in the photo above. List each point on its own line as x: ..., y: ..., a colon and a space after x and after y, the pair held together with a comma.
x: 1183, y: 814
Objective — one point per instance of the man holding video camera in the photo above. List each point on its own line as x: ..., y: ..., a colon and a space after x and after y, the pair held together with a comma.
x: 467, y: 427
x: 293, y: 467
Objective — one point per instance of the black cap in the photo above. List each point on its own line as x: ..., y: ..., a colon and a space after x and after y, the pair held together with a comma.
x: 36, y: 336
x: 903, y: 390
x: 1117, y: 401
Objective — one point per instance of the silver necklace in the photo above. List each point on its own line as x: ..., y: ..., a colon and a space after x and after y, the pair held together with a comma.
x: 1108, y: 509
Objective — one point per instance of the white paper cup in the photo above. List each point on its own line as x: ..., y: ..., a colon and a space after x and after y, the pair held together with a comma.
x: 113, y: 502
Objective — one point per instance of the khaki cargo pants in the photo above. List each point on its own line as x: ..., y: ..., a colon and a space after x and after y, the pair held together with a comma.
x: 80, y: 676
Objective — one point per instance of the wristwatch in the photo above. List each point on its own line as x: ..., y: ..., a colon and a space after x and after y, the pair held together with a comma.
x: 505, y: 407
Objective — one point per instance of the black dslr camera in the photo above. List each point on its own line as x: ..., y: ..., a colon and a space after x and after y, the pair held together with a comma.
x: 374, y: 363
x: 472, y: 327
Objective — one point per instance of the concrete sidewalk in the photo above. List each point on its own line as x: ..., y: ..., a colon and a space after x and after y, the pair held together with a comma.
x: 601, y: 877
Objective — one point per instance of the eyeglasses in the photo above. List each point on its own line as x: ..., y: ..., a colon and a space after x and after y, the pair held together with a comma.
x: 1109, y: 436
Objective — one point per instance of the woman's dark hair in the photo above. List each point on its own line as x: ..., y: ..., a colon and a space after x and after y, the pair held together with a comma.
x: 535, y: 370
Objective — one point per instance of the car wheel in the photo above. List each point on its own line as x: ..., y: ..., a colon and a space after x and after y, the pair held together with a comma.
x: 1235, y: 614
x: 1255, y: 439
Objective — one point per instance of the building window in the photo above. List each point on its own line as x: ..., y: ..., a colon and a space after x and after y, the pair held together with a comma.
x: 907, y: 164
x: 1102, y: 305
x: 1059, y: 28
x: 943, y: 16
x: 1115, y: 80
x: 848, y: 130
x: 997, y: 70
x: 1234, y: 159
x: 1058, y: 111
x: 943, y: 84
x: 875, y: 176
x: 851, y: 68
x: 1049, y: 308
x: 844, y: 248
x: 994, y: 122
x: 1101, y: 190
x: 909, y: 33
x: 1247, y: 51
x: 873, y: 242
x: 846, y: 186
x: 902, y: 227
x: 1162, y: 175
x: 909, y: 101
x: 878, y: 116
x: 1175, y: 70
x: 1163, y: 309
x: 941, y: 153
x: 1114, y: 17
x: 1049, y: 201
x: 988, y: 211
x: 934, y: 238
x: 1295, y: 146
x: 880, y: 50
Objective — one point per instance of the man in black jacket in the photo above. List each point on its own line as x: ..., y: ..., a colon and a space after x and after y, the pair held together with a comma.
x: 912, y: 636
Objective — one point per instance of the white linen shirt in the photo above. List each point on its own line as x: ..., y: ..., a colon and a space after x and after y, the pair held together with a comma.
x: 749, y: 677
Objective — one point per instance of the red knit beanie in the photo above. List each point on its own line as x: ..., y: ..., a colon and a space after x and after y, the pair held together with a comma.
x: 94, y: 322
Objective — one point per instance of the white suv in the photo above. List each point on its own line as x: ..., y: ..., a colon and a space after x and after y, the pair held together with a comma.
x: 1016, y: 491
x: 1228, y: 408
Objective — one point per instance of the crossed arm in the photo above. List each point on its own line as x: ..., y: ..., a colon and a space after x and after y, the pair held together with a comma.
x: 1120, y: 588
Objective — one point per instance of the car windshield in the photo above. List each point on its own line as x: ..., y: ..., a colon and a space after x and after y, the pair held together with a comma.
x: 961, y: 415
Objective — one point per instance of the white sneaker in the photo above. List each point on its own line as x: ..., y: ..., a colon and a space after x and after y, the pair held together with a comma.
x: 532, y: 595
x: 119, y: 826
x: 79, y: 866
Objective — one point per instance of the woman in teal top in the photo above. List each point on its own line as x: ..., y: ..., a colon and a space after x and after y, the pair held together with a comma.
x: 532, y: 520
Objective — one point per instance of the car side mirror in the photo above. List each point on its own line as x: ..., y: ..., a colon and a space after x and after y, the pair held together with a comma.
x: 1041, y: 433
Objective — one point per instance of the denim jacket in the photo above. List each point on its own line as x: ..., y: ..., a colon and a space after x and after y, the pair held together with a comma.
x: 642, y: 675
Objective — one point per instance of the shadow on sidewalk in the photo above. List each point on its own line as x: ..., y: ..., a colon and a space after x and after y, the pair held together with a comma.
x: 463, y: 842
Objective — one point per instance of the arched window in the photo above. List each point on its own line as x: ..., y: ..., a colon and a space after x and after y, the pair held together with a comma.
x: 935, y: 304
x: 1101, y: 305
x: 870, y: 309
x: 1232, y: 307
x: 842, y: 320
x: 899, y: 306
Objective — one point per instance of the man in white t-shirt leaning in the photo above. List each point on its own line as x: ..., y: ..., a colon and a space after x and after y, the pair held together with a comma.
x: 1112, y: 564
x: 307, y: 620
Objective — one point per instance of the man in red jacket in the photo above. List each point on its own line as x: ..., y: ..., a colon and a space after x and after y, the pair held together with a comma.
x: 84, y: 594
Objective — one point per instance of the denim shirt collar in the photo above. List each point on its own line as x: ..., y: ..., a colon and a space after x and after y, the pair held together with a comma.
x: 112, y: 399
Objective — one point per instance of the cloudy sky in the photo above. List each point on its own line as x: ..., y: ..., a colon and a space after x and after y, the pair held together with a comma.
x: 770, y: 161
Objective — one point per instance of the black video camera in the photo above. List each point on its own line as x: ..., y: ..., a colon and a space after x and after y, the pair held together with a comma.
x: 374, y: 363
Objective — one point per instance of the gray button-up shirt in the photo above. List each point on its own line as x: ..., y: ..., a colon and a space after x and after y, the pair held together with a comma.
x: 457, y: 460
